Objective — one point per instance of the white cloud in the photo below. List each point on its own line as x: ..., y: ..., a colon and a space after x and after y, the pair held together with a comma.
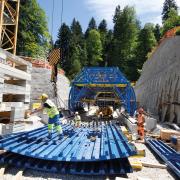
x: 147, y: 10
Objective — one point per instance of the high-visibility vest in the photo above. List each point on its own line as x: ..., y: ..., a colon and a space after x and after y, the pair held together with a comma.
x: 52, y: 111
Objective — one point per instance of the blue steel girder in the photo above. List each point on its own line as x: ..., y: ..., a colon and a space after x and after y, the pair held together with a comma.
x: 165, y: 152
x: 84, y: 86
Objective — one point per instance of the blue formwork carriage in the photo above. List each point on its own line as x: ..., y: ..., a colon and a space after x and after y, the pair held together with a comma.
x: 75, y: 146
x: 92, y: 80
x: 169, y: 155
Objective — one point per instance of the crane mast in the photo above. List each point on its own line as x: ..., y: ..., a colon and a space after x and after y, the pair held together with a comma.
x: 9, y: 16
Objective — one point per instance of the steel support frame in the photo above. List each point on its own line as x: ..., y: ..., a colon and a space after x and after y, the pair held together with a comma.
x: 90, y: 76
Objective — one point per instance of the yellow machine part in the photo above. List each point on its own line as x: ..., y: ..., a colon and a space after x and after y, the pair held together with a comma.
x: 106, y: 111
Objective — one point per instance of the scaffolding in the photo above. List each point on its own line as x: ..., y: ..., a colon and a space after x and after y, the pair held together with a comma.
x: 9, y: 15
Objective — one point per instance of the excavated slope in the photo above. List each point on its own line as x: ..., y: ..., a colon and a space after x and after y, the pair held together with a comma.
x: 158, y: 88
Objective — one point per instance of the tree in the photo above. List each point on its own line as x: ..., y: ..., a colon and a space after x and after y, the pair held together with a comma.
x: 146, y: 41
x: 157, y: 32
x: 102, y: 28
x: 167, y: 6
x: 79, y: 41
x: 33, y: 36
x: 94, y: 48
x: 92, y: 25
x: 125, y: 37
x: 63, y: 42
x: 75, y: 65
x: 172, y: 21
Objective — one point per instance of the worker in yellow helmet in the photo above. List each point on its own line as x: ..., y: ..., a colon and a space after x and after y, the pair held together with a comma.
x: 50, y: 108
x: 77, y: 119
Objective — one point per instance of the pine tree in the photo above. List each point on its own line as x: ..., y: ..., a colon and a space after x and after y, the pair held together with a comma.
x: 167, y: 6
x: 33, y: 36
x: 94, y: 48
x: 92, y: 25
x: 79, y: 41
x: 157, y: 32
x: 124, y: 40
x: 63, y: 42
x: 102, y: 28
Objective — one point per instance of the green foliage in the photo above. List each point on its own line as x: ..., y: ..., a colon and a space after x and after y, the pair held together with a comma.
x: 157, y: 32
x: 33, y: 36
x: 167, y: 6
x: 146, y: 42
x: 92, y: 25
x: 102, y: 28
x: 79, y: 41
x: 94, y: 48
x: 63, y: 42
x: 172, y: 21
x: 75, y: 66
x: 178, y: 33
x: 125, y: 36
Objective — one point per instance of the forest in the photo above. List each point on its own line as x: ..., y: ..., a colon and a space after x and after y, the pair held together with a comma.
x: 127, y: 45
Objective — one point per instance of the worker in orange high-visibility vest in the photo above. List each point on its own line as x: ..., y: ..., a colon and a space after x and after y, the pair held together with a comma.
x: 140, y: 123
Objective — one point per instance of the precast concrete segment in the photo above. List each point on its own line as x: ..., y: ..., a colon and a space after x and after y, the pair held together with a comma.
x: 76, y: 145
x: 110, y: 167
x: 169, y: 155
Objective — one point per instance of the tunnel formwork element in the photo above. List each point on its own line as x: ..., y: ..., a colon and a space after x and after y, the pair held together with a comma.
x: 92, y: 81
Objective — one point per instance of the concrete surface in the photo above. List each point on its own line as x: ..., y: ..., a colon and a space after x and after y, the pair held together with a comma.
x: 41, y: 83
x: 157, y: 89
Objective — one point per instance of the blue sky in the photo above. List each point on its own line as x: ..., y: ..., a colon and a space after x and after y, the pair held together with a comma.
x: 83, y: 10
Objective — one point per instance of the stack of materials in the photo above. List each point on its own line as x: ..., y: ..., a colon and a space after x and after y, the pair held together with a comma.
x: 169, y: 155
x: 167, y: 133
x: 75, y: 153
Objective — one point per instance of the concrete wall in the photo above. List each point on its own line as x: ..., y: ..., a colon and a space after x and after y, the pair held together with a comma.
x: 41, y: 84
x: 158, y: 88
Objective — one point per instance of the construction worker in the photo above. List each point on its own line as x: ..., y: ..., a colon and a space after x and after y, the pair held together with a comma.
x: 77, y: 119
x: 140, y: 123
x: 50, y: 108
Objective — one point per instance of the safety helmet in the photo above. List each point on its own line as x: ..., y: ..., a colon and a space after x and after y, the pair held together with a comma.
x: 76, y: 113
x: 43, y: 96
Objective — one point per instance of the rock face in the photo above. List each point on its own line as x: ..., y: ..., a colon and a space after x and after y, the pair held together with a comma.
x: 158, y: 88
x: 41, y: 83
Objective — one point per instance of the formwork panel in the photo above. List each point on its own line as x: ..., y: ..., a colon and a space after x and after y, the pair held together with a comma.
x: 75, y: 146
x: 112, y: 167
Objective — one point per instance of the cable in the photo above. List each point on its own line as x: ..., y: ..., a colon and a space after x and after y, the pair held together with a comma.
x: 52, y: 19
x: 62, y: 11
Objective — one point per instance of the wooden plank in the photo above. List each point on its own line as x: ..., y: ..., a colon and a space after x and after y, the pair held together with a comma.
x: 167, y: 133
x: 12, y: 72
x: 13, y: 58
x: 19, y: 175
x: 152, y: 165
x: 2, y: 170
